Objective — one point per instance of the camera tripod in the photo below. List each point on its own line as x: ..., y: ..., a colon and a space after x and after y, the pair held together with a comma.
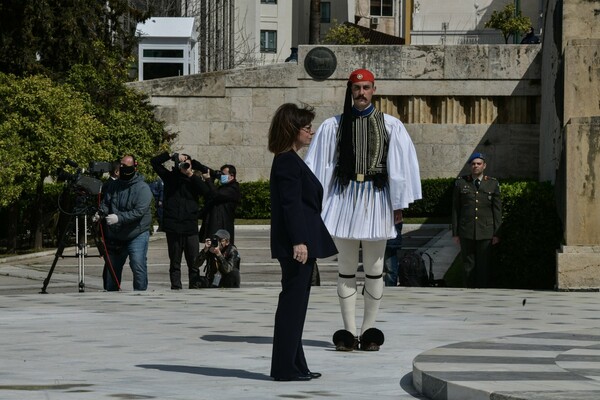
x: 81, y: 247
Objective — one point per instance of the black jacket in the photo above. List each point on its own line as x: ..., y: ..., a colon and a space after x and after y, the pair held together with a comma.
x: 219, y: 212
x: 181, y: 209
x: 228, y: 265
x: 296, y: 201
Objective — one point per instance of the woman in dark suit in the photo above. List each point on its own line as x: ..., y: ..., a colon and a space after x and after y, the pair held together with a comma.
x: 298, y: 236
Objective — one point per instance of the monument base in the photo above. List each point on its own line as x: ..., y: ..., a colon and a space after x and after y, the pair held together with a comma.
x: 578, y: 268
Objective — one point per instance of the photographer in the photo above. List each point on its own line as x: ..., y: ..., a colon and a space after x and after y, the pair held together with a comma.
x: 219, y: 212
x: 181, y: 193
x: 222, y: 261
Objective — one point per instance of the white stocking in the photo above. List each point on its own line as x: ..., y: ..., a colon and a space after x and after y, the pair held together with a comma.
x: 346, y: 284
x: 373, y: 252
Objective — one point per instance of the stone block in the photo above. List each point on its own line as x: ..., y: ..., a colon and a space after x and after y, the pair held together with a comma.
x: 578, y: 267
x: 274, y: 75
x: 290, y: 95
x: 204, y: 85
x: 515, y: 61
x: 226, y: 133
x: 264, y: 114
x: 582, y: 79
x: 466, y: 62
x: 193, y: 133
x: 580, y: 19
x: 188, y: 108
x: 310, y: 95
x: 256, y: 134
x: 168, y: 114
x: 268, y: 98
x: 582, y: 191
x: 241, y: 108
x: 218, y: 109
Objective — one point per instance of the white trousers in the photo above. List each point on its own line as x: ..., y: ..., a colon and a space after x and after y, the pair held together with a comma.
x: 372, y: 256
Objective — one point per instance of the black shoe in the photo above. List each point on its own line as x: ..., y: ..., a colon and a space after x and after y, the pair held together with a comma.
x: 295, y: 378
x: 371, y: 340
x: 345, y: 341
x: 314, y: 375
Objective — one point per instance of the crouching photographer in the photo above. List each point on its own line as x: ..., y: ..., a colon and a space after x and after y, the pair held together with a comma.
x: 222, y: 262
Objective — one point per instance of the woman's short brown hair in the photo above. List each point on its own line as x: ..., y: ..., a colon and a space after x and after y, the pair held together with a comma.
x: 286, y: 124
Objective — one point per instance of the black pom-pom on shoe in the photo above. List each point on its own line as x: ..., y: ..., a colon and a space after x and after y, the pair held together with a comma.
x: 345, y: 341
x: 371, y: 340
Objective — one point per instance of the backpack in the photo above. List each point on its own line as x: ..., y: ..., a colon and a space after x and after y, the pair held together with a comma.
x: 412, y: 270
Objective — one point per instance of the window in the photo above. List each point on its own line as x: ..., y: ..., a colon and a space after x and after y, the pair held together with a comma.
x: 325, y: 12
x: 268, y: 1
x: 164, y: 60
x: 382, y: 8
x: 162, y: 70
x: 268, y: 41
x: 163, y: 53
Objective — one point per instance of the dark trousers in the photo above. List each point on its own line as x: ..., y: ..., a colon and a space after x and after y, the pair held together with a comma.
x: 288, y: 356
x: 232, y: 279
x: 476, y: 258
x: 179, y: 244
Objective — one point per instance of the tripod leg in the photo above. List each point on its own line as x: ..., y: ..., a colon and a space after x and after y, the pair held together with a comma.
x: 81, y: 235
x: 59, y: 252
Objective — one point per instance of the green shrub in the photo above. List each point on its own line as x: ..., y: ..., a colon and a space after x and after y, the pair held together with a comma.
x: 256, y: 203
x: 530, y: 235
x: 436, y: 201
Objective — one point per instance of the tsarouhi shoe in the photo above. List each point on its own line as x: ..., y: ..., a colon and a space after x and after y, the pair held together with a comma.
x: 345, y: 341
x: 371, y: 339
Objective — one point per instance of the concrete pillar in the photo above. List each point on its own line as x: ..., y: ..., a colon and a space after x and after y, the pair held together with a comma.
x: 578, y: 261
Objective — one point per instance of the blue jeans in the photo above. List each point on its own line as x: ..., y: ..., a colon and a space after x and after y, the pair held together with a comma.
x: 390, y: 259
x: 137, y: 250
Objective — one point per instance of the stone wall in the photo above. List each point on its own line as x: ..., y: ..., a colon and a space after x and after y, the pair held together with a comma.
x: 223, y: 117
x: 577, y: 141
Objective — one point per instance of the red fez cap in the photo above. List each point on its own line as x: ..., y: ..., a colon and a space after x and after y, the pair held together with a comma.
x: 361, y: 75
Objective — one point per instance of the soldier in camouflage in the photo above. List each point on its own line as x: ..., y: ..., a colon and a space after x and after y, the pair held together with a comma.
x: 476, y: 220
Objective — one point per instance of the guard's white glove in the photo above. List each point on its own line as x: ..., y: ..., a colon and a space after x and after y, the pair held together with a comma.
x: 112, y: 219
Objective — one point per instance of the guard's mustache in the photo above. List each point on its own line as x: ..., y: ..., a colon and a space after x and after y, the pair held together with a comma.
x: 360, y: 98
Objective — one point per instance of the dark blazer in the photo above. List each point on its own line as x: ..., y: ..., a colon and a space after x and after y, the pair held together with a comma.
x: 296, y: 201
x: 476, y: 213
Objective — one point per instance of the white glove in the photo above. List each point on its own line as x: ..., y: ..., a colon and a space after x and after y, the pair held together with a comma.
x: 96, y: 217
x: 112, y: 219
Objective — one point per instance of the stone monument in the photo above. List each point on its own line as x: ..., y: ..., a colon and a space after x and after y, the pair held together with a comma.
x: 577, y: 141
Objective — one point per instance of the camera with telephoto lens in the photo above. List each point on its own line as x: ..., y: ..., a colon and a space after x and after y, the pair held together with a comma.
x: 184, y: 165
x: 214, y: 241
x: 86, y: 180
x: 83, y: 186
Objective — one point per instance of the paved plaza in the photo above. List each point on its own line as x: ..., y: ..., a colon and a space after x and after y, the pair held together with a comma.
x: 450, y: 343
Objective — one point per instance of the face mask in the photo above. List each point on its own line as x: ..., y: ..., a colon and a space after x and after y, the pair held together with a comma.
x: 224, y: 179
x: 126, y: 172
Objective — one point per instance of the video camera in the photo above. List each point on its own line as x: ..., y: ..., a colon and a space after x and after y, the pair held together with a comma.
x: 86, y: 180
